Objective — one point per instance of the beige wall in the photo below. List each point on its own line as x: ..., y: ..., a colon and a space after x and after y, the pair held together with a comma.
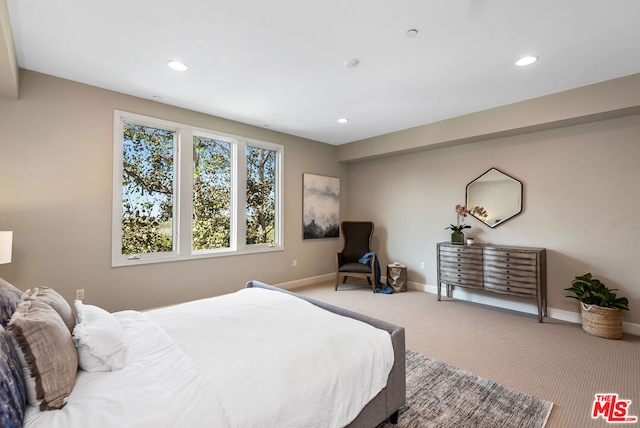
x: 56, y: 177
x: 580, y: 202
x: 55, y: 194
x: 605, y: 100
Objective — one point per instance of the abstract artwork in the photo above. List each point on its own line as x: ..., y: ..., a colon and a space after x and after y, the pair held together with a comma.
x: 320, y: 206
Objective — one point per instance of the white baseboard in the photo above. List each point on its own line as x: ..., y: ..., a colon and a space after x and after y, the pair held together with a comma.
x: 574, y: 317
x: 306, y: 281
x: 519, y: 305
x: 562, y: 315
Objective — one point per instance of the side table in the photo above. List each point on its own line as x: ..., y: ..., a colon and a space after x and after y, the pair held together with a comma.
x: 397, y: 277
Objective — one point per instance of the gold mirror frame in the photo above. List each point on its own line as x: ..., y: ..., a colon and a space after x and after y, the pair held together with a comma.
x: 494, y: 197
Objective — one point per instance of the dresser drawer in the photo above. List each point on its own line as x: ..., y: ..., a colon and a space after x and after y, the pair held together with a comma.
x: 460, y: 265
x: 460, y: 261
x: 458, y: 255
x: 504, y: 259
x: 468, y: 271
x: 461, y: 249
x: 509, y: 254
x: 511, y: 287
x: 513, y: 268
x: 465, y: 279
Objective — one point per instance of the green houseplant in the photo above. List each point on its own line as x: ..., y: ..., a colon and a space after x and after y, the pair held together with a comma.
x: 600, y: 307
x: 457, y: 236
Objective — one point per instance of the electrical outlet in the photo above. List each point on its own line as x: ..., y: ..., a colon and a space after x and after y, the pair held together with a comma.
x: 295, y: 263
x: 422, y: 265
x: 80, y: 294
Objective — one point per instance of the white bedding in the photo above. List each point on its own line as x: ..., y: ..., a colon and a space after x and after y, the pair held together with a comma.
x: 255, y: 358
x: 157, y: 377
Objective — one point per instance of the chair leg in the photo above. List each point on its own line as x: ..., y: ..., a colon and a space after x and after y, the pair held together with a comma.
x: 344, y: 280
x: 337, y: 280
x: 369, y: 280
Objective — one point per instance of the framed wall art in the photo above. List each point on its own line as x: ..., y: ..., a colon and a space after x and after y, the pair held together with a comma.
x: 320, y: 206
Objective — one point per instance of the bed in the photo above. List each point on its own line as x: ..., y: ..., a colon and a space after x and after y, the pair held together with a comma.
x: 258, y: 357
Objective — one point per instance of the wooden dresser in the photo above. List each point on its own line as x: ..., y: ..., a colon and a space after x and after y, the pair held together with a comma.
x: 516, y: 271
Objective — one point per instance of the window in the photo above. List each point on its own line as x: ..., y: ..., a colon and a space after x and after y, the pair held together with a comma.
x: 261, y: 195
x: 211, y: 200
x: 182, y: 192
x: 147, y: 189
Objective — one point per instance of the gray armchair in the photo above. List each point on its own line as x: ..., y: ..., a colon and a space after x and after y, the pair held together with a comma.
x: 357, y: 242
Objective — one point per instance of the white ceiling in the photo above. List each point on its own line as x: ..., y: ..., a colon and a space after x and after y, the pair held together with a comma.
x: 281, y: 62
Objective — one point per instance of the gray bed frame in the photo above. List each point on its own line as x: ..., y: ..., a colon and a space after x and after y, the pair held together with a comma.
x: 387, y: 403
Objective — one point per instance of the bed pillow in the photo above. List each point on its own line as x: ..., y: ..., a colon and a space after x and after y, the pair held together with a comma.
x: 12, y: 388
x: 47, y: 353
x: 99, y: 338
x: 9, y: 300
x: 52, y: 298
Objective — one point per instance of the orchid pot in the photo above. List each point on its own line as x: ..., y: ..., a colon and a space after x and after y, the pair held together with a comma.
x: 457, y: 234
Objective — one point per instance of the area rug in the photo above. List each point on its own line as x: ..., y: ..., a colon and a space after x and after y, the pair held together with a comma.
x: 440, y: 395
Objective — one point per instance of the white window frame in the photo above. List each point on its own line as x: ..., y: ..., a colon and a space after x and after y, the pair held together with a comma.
x: 183, y: 201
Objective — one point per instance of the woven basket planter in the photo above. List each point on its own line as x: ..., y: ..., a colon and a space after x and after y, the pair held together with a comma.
x: 601, y: 322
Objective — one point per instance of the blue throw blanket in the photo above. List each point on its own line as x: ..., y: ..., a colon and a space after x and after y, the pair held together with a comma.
x: 379, y: 286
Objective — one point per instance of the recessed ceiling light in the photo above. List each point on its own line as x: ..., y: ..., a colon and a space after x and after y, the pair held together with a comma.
x: 526, y: 60
x: 352, y: 63
x: 177, y: 65
x: 343, y: 120
x: 157, y: 97
x: 411, y: 33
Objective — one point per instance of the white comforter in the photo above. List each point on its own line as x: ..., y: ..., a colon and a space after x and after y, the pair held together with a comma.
x: 255, y: 358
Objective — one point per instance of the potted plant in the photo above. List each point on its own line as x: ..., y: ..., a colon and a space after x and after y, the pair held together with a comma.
x: 457, y: 236
x: 600, y: 307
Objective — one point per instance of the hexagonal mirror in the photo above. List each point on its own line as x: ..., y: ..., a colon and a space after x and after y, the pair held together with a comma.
x: 494, y: 197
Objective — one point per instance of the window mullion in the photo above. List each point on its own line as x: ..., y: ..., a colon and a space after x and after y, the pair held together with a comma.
x: 240, y: 195
x: 279, y: 221
x: 184, y: 186
x: 116, y: 220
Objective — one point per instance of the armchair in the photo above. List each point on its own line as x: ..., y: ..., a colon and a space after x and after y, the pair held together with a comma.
x: 357, y: 242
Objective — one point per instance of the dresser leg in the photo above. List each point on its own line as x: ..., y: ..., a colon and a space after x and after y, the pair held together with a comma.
x: 539, y: 309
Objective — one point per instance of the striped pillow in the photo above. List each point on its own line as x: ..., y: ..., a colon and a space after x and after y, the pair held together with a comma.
x: 49, y: 357
x: 52, y: 298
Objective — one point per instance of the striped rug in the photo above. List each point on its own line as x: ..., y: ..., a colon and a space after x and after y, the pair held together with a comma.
x: 440, y: 395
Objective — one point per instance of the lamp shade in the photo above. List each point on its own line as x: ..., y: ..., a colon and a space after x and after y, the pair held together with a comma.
x: 6, y: 240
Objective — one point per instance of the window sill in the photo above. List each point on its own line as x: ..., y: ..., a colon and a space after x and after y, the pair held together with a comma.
x: 121, y: 261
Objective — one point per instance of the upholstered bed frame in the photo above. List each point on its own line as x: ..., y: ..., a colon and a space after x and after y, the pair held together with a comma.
x: 387, y: 403
x: 172, y: 345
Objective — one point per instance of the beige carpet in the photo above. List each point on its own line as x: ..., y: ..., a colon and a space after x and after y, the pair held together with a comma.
x: 554, y: 361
